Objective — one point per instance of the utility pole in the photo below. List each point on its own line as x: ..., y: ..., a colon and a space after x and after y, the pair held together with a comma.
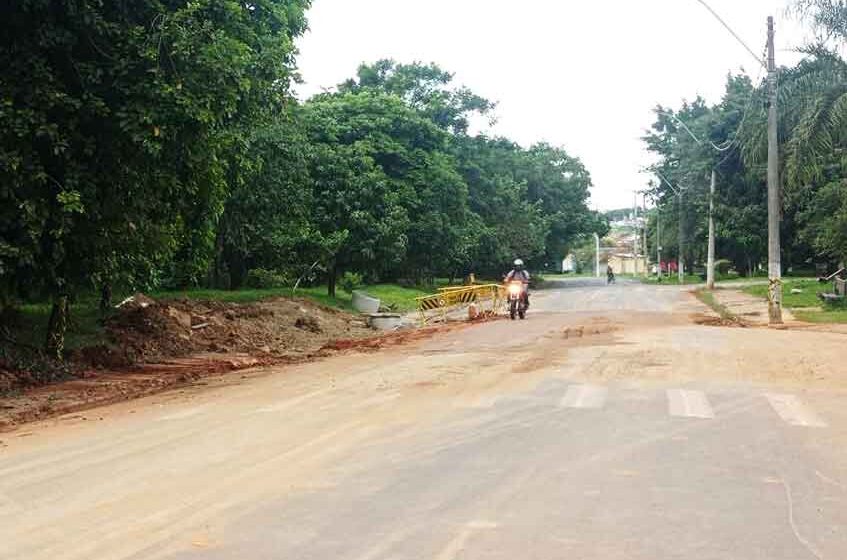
x: 680, y: 261
x: 658, y: 241
x: 710, y: 266
x: 635, y: 242
x: 680, y: 245
x: 644, y: 236
x: 597, y: 255
x: 774, y: 264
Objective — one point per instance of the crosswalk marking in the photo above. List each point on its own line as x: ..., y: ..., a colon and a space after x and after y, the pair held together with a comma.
x: 793, y: 411
x: 689, y: 404
x: 682, y: 403
x: 584, y: 396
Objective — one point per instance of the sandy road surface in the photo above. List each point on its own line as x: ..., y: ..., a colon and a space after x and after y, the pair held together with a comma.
x: 605, y: 426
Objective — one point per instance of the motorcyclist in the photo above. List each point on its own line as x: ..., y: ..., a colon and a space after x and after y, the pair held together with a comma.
x: 610, y: 275
x: 520, y: 274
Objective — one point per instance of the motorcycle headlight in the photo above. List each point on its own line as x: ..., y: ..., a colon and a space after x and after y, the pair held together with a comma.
x: 514, y: 289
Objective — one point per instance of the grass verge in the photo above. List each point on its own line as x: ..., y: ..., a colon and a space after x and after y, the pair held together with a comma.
x: 708, y: 298
x: 673, y: 280
x: 805, y: 304
x: 28, y: 325
x: 806, y: 297
x: 822, y: 316
x: 393, y: 296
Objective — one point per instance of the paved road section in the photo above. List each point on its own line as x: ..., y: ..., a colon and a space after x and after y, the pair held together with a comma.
x: 605, y: 426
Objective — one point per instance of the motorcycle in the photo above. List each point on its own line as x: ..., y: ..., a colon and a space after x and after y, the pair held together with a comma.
x: 517, y: 299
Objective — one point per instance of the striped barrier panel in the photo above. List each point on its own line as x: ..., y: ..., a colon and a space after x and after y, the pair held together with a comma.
x: 453, y: 296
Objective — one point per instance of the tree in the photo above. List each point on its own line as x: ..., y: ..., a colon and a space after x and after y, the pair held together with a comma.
x: 813, y: 122
x: 425, y: 88
x: 120, y: 126
x: 372, y: 157
x: 266, y: 221
x: 828, y: 16
x: 560, y: 183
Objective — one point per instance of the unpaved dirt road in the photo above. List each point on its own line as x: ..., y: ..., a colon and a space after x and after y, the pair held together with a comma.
x: 606, y: 426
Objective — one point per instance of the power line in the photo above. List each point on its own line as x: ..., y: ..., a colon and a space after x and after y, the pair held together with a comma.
x: 732, y: 32
x: 730, y: 142
x: 676, y: 190
x: 753, y: 95
x: 694, y: 136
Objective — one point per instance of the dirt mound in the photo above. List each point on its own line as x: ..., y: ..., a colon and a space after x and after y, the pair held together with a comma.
x: 177, y: 328
x: 275, y: 332
x: 716, y: 321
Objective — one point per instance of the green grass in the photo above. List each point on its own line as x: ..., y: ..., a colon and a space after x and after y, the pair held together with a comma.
x: 84, y: 328
x: 673, y: 280
x: 807, y: 298
x: 392, y: 295
x: 823, y: 316
x: 401, y: 298
x: 805, y: 306
x: 709, y: 299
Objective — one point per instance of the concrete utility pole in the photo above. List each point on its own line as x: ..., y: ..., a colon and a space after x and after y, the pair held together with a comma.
x: 658, y: 241
x: 710, y: 266
x: 644, y: 236
x: 774, y: 264
x: 596, y: 255
x: 678, y: 192
x: 635, y: 242
x: 680, y: 261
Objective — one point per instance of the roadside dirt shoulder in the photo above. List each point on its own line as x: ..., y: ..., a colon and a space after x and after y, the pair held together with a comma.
x: 160, y: 347
x: 750, y: 309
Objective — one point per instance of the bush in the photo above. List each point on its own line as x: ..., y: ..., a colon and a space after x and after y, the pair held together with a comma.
x: 350, y: 281
x: 261, y: 278
x: 722, y: 266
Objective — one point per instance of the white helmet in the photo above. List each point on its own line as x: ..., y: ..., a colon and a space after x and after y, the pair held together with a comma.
x: 518, y: 263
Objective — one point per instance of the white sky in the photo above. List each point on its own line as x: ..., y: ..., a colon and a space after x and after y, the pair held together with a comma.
x: 582, y: 74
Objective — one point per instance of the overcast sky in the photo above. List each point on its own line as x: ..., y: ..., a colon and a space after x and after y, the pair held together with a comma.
x: 582, y: 74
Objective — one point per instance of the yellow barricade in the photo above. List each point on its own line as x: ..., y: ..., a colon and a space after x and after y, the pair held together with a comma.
x: 453, y: 296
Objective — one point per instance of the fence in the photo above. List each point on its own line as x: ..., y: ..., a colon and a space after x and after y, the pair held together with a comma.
x: 437, y: 305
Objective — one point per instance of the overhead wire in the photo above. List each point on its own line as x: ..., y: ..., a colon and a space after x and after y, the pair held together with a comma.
x: 730, y: 142
x: 762, y: 65
x: 761, y: 61
x: 749, y: 105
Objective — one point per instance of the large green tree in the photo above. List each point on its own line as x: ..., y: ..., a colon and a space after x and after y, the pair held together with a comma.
x: 122, y: 127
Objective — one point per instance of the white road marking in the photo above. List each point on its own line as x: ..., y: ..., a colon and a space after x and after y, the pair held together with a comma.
x: 689, y: 404
x: 458, y: 542
x: 584, y: 396
x: 793, y: 411
x: 188, y: 413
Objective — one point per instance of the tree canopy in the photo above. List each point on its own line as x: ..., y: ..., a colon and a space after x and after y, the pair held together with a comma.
x: 157, y: 144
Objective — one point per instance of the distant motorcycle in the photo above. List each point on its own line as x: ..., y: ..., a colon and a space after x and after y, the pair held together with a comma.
x: 517, y: 299
x: 610, y: 277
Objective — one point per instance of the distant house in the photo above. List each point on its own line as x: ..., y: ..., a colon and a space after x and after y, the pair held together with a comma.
x: 627, y: 263
x: 569, y: 263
